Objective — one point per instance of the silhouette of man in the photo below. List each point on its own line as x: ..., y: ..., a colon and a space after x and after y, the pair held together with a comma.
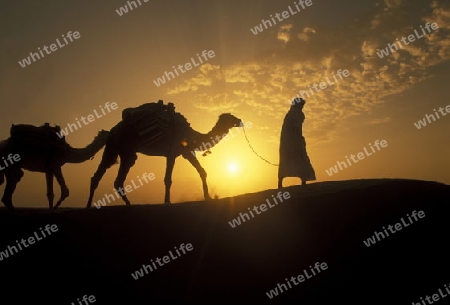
x: 294, y: 161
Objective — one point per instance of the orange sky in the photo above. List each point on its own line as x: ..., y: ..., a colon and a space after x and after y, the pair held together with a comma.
x: 117, y: 58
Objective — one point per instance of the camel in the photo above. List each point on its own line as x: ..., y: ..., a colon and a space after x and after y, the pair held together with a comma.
x: 124, y: 141
x: 40, y: 154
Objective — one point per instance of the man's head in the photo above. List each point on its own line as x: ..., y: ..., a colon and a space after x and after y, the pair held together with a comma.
x: 298, y: 102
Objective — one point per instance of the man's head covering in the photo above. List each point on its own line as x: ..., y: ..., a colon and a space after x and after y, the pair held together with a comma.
x: 298, y: 101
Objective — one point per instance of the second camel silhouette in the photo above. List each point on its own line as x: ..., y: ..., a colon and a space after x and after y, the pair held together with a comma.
x: 41, y: 150
x: 155, y: 129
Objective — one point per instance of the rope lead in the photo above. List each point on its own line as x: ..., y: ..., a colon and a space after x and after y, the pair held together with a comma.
x: 254, y: 150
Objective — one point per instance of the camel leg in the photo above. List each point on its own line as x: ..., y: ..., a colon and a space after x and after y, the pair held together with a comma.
x: 170, y: 162
x: 50, y: 194
x: 126, y: 162
x: 108, y: 159
x: 62, y: 184
x: 201, y: 171
x: 13, y: 176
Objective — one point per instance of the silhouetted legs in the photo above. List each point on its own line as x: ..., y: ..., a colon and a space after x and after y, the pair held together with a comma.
x: 108, y: 159
x: 101, y: 170
x: 62, y: 185
x: 13, y: 176
x: 49, y: 181
x: 201, y: 171
x: 126, y: 162
x: 280, y: 182
x: 170, y: 163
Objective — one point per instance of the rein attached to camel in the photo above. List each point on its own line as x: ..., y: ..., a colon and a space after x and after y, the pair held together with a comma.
x: 255, y: 151
x: 207, y: 152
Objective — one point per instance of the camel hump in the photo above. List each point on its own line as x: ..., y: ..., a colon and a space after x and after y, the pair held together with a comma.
x: 132, y: 114
x: 154, y: 122
x: 45, y: 134
x: 151, y: 121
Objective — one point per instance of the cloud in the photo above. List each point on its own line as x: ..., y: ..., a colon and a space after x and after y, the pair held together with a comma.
x: 284, y: 32
x: 304, y: 35
x: 266, y: 86
x: 379, y: 121
x: 392, y: 3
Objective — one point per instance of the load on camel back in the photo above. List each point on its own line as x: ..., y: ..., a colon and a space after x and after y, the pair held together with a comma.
x: 153, y: 122
x: 29, y: 139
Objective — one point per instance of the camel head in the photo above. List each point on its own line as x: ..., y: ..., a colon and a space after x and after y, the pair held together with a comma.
x: 227, y: 121
x: 102, y: 136
x: 224, y: 124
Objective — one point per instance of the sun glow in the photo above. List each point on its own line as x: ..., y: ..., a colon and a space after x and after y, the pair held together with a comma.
x: 233, y: 168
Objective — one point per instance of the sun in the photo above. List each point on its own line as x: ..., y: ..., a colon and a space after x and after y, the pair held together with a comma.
x: 233, y: 168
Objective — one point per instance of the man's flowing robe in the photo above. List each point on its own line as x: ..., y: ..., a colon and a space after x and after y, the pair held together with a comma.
x: 294, y: 161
